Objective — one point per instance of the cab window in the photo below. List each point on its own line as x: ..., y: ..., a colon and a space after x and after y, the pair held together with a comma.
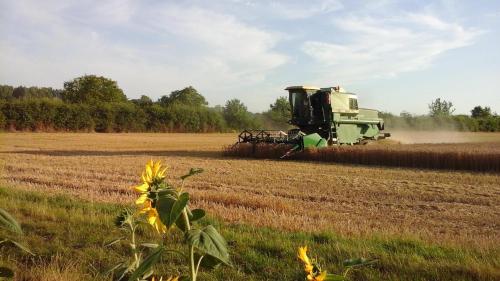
x: 353, y: 104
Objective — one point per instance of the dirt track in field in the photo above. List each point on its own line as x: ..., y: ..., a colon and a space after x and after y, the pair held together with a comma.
x: 441, y: 206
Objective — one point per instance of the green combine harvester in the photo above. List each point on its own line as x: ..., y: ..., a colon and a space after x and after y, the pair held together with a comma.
x: 323, y: 117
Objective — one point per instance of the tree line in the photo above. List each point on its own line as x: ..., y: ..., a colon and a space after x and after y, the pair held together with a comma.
x: 92, y: 103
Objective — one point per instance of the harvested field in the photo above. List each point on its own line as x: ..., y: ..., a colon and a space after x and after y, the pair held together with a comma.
x: 438, y: 206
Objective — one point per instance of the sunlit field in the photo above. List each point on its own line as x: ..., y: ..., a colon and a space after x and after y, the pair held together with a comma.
x: 446, y: 208
x: 360, y: 200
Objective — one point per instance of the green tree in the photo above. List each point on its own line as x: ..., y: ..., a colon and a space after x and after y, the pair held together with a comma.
x: 6, y: 92
x: 92, y: 89
x: 143, y: 101
x: 280, y: 111
x: 480, y: 112
x: 19, y: 92
x: 187, y: 96
x: 128, y: 118
x: 103, y: 116
x: 237, y: 116
x: 22, y: 92
x: 277, y: 116
x: 440, y: 108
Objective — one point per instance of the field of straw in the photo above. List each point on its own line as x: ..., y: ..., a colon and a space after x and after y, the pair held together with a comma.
x: 438, y: 206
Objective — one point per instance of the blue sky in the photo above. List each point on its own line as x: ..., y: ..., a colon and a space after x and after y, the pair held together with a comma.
x: 397, y: 55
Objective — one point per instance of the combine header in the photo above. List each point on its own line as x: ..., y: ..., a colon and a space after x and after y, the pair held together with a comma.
x: 323, y: 116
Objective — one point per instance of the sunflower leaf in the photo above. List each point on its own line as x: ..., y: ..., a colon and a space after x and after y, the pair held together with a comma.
x: 181, y: 224
x: 192, y: 172
x: 209, y: 242
x: 334, y: 277
x: 147, y: 264
x: 178, y: 207
x: 170, y: 208
x: 197, y: 214
x: 208, y: 262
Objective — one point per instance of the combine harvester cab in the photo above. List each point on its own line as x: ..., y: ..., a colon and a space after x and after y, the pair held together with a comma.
x: 323, y: 116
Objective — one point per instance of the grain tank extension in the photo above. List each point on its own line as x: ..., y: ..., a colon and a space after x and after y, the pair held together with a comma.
x: 323, y: 116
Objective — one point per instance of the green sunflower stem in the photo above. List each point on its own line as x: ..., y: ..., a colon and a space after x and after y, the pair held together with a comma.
x: 192, y: 266
x: 133, y: 245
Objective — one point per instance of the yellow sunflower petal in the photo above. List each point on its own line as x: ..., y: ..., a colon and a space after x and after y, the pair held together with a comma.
x: 302, y: 255
x: 146, y: 207
x: 142, y: 188
x: 150, y: 164
x: 152, y: 217
x: 308, y: 268
x: 321, y: 276
x: 161, y: 174
x: 141, y: 199
x: 154, y: 220
x: 160, y: 228
x: 149, y: 172
x: 156, y: 167
x: 144, y: 177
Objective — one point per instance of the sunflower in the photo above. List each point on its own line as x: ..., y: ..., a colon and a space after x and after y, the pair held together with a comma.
x: 153, y: 173
x: 309, y: 266
x: 302, y: 255
x: 153, y: 217
x: 319, y: 277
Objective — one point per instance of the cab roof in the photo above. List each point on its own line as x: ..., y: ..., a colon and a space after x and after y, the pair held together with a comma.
x: 302, y: 88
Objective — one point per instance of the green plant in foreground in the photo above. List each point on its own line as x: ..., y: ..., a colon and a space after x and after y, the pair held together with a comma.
x: 315, y: 273
x: 9, y: 223
x: 164, y: 207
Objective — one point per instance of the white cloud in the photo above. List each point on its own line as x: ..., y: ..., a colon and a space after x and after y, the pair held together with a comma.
x: 384, y: 47
x: 112, y: 11
x: 303, y: 10
x: 240, y: 51
x: 179, y: 45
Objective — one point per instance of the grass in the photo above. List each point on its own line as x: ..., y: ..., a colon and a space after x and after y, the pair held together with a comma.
x: 445, y: 207
x: 67, y: 235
